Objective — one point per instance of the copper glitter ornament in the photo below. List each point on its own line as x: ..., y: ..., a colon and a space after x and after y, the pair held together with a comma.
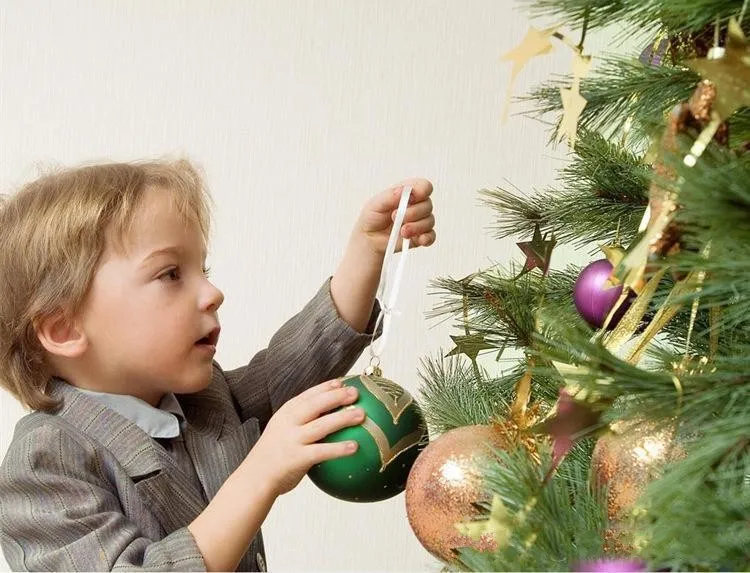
x: 625, y: 462
x: 690, y: 117
x: 443, y: 486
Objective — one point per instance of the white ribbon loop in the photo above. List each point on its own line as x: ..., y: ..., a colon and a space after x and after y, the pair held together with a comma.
x: 388, y: 305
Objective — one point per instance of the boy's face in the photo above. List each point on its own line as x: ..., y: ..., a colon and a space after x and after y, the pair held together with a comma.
x: 151, y: 314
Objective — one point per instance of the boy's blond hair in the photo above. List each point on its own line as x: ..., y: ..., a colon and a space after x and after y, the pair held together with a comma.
x: 53, y: 232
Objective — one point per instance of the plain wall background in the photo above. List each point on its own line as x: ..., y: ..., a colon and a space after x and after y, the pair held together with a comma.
x: 298, y: 110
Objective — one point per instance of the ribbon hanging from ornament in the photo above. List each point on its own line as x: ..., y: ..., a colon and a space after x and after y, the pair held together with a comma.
x: 388, y: 302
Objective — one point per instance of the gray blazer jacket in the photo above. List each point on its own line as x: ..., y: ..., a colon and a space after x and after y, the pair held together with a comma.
x: 85, y: 489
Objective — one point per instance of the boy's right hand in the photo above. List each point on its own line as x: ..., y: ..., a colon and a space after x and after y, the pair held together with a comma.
x: 280, y: 459
x: 288, y: 447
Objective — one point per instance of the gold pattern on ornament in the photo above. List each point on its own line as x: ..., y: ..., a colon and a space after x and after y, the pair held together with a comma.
x: 387, y: 452
x: 395, y: 399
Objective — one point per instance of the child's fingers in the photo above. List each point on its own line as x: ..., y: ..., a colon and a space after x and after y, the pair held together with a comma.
x: 317, y: 453
x: 330, y: 423
x: 425, y: 240
x: 388, y: 200
x: 421, y: 189
x: 418, y: 227
x: 313, y: 406
x: 320, y: 388
x: 416, y: 212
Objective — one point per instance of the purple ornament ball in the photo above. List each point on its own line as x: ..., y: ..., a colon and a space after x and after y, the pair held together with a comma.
x: 594, y: 298
x: 613, y: 566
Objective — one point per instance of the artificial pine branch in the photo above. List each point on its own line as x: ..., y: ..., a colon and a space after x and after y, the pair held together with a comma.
x: 676, y: 15
x: 697, y: 513
x: 693, y: 398
x: 502, y: 307
x: 452, y: 396
x: 499, y: 307
x: 715, y: 201
x: 621, y: 90
x: 739, y: 130
x: 607, y: 168
x: 553, y: 525
x: 604, y: 186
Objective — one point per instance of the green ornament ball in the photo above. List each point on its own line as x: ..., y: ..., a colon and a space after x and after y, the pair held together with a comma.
x: 390, y: 439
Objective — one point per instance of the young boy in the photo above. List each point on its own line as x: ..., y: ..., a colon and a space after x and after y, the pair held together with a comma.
x: 141, y: 452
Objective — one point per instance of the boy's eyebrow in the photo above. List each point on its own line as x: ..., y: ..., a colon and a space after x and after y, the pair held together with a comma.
x: 176, y: 250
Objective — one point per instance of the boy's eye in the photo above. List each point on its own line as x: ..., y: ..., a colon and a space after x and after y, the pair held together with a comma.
x: 172, y: 274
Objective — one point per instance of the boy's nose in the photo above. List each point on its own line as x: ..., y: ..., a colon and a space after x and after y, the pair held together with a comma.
x: 213, y: 298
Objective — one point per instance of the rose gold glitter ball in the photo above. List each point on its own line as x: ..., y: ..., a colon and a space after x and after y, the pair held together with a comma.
x: 626, y: 461
x: 443, y: 485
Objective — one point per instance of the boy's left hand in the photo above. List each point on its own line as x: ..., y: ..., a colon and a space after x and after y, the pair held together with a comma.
x: 376, y: 219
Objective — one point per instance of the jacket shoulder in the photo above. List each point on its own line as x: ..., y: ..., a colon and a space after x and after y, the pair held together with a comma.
x: 44, y: 439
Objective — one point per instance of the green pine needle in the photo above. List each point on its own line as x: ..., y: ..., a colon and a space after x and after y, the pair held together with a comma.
x: 605, y: 187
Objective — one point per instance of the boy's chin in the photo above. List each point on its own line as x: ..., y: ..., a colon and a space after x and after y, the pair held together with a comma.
x: 194, y: 383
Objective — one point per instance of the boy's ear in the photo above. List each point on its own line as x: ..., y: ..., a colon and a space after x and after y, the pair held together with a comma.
x: 60, y: 335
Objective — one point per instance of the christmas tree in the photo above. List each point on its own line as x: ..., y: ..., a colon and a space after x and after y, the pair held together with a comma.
x: 620, y: 441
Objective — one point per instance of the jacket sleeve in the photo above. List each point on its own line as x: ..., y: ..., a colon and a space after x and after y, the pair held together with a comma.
x: 313, y: 346
x: 58, y: 512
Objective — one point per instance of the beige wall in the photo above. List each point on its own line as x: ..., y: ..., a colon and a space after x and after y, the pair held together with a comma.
x: 298, y: 110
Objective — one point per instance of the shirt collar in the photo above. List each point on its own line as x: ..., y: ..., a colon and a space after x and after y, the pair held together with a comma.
x: 166, y: 421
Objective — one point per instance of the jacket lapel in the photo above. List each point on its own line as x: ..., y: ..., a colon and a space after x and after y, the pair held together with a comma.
x: 203, y: 444
x: 168, y: 493
x: 215, y: 438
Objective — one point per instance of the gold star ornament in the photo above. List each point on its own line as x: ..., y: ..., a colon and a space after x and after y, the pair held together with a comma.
x: 535, y: 43
x: 471, y: 345
x: 538, y: 252
x: 572, y: 100
x: 730, y: 73
x: 573, y: 103
x: 498, y: 524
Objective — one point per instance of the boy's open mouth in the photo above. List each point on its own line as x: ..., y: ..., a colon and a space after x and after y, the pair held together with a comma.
x: 211, y: 339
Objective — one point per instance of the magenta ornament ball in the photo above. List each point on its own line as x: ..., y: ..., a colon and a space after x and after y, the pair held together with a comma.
x: 594, y: 297
x: 613, y: 565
